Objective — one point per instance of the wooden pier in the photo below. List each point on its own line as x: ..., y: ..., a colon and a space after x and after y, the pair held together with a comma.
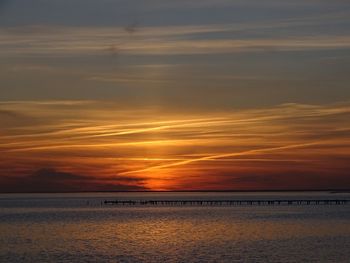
x: 225, y: 202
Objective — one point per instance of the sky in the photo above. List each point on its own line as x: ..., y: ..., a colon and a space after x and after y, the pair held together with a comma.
x: 119, y: 95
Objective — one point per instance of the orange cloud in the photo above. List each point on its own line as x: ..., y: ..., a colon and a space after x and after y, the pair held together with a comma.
x: 287, y: 146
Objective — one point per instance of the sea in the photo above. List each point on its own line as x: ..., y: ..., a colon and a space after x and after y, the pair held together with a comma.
x: 79, y: 227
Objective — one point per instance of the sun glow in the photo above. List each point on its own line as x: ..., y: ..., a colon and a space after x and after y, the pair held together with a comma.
x: 177, y: 151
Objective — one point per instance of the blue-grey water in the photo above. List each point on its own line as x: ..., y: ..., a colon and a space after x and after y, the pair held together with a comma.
x: 77, y: 228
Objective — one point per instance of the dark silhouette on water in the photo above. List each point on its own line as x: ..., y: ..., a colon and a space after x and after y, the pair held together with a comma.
x: 227, y: 202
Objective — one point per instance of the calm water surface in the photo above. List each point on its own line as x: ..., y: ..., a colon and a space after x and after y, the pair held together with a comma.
x: 77, y: 228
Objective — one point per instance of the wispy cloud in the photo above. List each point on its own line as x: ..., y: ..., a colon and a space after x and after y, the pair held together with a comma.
x: 100, y: 139
x: 168, y: 40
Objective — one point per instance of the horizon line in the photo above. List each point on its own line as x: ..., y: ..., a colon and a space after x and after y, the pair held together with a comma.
x: 186, y: 191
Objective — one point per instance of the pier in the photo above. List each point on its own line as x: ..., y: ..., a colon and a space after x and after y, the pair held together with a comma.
x: 225, y: 202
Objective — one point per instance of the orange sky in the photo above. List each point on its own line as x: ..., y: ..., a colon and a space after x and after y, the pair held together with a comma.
x: 104, y: 95
x: 96, y: 145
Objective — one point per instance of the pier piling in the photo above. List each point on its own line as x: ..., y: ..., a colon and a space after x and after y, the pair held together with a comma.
x: 298, y: 202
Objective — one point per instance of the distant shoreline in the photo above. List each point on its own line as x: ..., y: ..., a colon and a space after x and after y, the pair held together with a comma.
x: 332, y: 191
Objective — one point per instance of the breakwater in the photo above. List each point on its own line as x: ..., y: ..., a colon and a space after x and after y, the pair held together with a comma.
x: 226, y: 202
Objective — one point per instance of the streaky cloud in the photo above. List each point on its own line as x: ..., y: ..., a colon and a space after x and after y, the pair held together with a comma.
x: 156, y: 146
